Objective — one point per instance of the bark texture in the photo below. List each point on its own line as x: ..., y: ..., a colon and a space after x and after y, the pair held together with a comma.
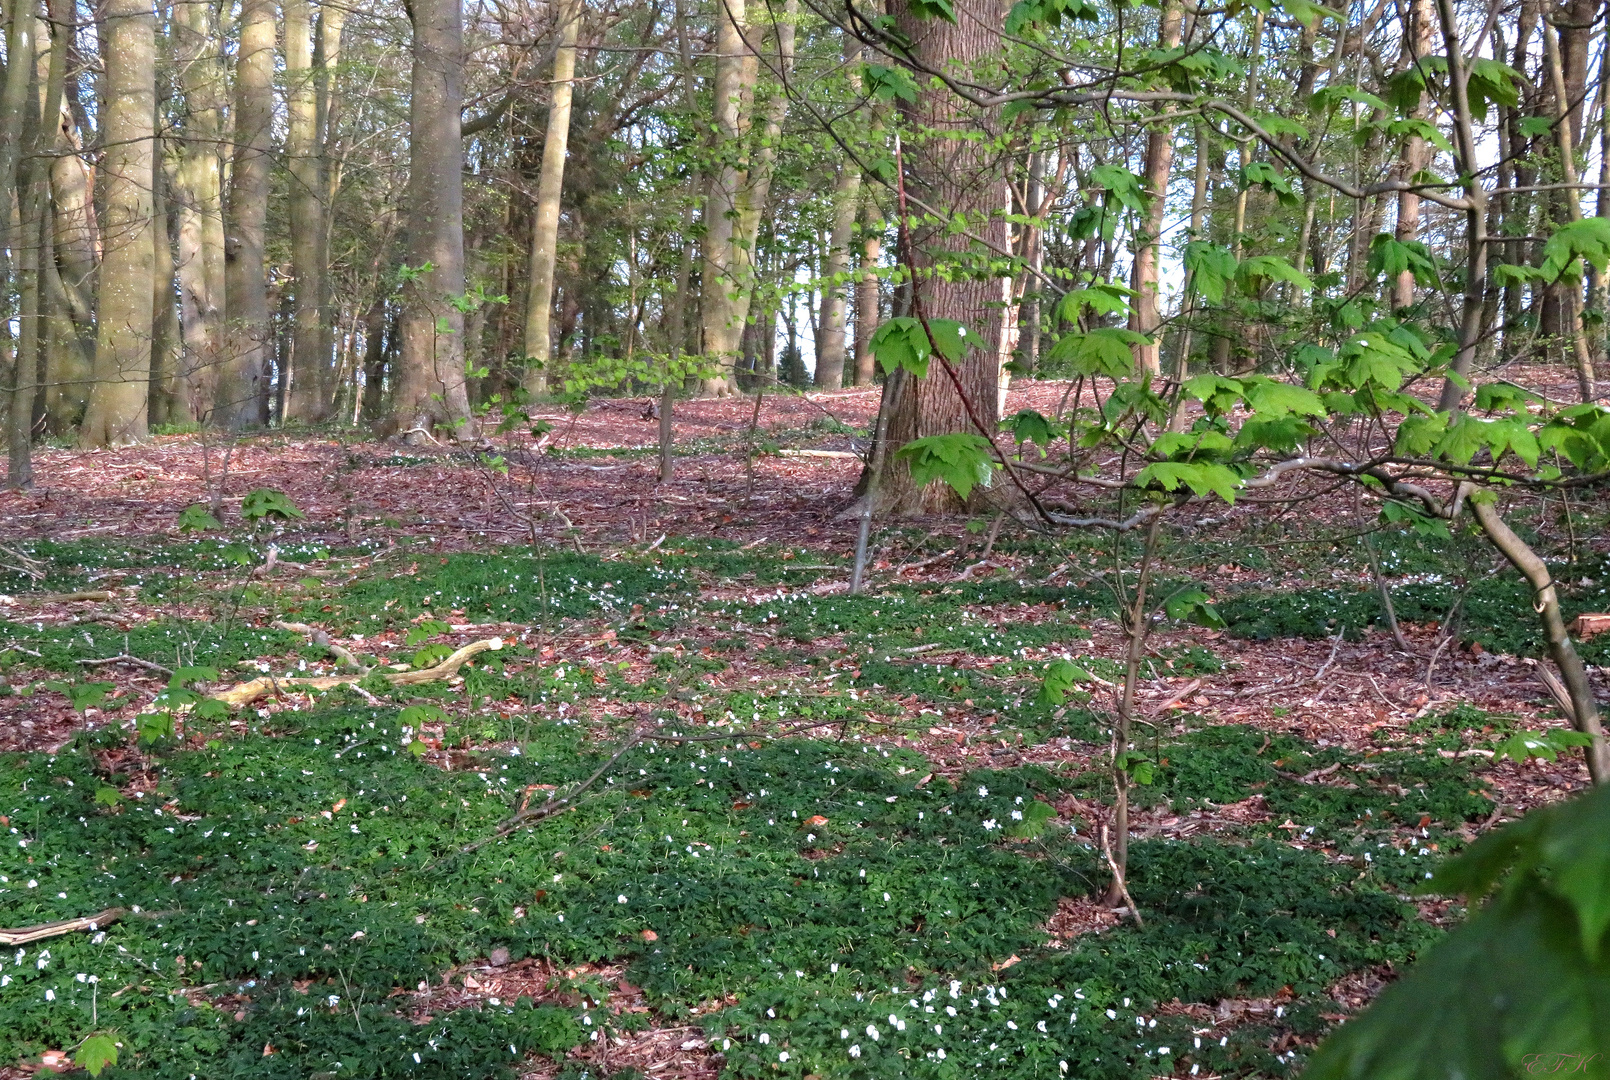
x: 550, y: 190
x: 117, y: 406
x: 243, y: 370
x: 430, y: 388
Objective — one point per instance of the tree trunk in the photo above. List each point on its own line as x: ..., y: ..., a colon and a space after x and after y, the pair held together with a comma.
x: 836, y: 284
x: 198, y: 198
x: 1584, y: 707
x: 430, y: 383
x: 243, y: 372
x: 867, y: 299
x: 545, y: 217
x: 961, y: 176
x: 1159, y: 162
x: 738, y: 196
x: 70, y: 274
x: 1416, y: 151
x: 169, y: 396
x: 1576, y: 326
x: 117, y: 406
x: 310, y: 395
x: 375, y: 328
x: 20, y: 27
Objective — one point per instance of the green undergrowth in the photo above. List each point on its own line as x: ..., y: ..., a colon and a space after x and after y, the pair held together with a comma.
x: 825, y: 885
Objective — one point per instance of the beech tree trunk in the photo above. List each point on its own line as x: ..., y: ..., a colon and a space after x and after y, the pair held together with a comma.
x: 961, y: 176
x: 197, y: 191
x: 1416, y: 151
x: 310, y: 396
x: 545, y: 218
x: 867, y: 299
x: 430, y: 386
x: 738, y: 196
x: 117, y: 406
x: 1159, y: 163
x: 836, y: 283
x: 243, y: 372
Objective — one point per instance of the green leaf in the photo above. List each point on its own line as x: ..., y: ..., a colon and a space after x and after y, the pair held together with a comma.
x: 1035, y: 816
x: 1102, y: 297
x: 154, y: 727
x: 932, y: 9
x: 1217, y: 394
x: 1030, y: 426
x: 424, y: 630
x: 106, y: 795
x: 1106, y: 350
x: 1258, y: 269
x: 1588, y: 240
x: 1060, y: 677
x: 96, y: 1053
x: 1123, y: 185
x: 185, y: 675
x: 961, y: 460
x: 1193, y: 606
x: 1263, y: 174
x: 431, y: 655
x: 418, y: 748
x: 1332, y: 97
x: 197, y: 517
x: 1417, y: 435
x: 1201, y: 478
x: 1492, y: 82
x: 1425, y: 129
x: 82, y: 695
x: 1533, y: 126
x: 1273, y: 398
x: 902, y: 343
x: 415, y: 716
x: 1392, y: 257
x: 1211, y: 267
x: 268, y: 502
x: 1547, y: 745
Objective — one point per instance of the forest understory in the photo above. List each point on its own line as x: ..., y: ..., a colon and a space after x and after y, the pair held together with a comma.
x: 826, y: 835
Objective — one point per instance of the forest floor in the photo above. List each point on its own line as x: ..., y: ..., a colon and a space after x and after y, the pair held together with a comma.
x: 829, y: 835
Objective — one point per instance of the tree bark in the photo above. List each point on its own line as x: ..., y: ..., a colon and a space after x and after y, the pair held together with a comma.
x: 169, y: 396
x: 867, y: 299
x: 243, y: 371
x: 836, y: 283
x: 948, y: 168
x: 545, y: 216
x: 1563, y: 652
x: 1159, y: 163
x: 1576, y: 326
x: 1416, y: 151
x: 430, y: 385
x: 310, y: 395
x: 198, y: 199
x: 117, y: 406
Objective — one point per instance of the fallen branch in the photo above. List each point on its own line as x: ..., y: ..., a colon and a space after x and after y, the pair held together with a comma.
x: 247, y: 692
x: 25, y: 934
x: 819, y: 454
x: 64, y: 597
x: 548, y: 809
x: 1174, y: 699
x: 132, y: 661
x: 319, y: 637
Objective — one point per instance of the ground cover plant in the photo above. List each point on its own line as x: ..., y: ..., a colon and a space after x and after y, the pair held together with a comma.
x: 703, y: 813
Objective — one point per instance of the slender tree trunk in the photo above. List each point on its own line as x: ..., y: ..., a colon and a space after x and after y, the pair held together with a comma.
x: 1159, y: 163
x: 1416, y: 158
x: 169, y: 396
x: 430, y: 385
x: 309, y: 397
x: 31, y: 248
x: 867, y: 298
x: 1584, y: 706
x: 1576, y: 326
x: 724, y: 268
x: 374, y: 361
x: 20, y: 27
x: 117, y: 406
x: 550, y: 190
x: 837, y: 284
x: 243, y: 371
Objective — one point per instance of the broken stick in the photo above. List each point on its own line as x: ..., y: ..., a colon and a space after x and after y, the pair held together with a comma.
x: 248, y: 692
x: 25, y: 934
